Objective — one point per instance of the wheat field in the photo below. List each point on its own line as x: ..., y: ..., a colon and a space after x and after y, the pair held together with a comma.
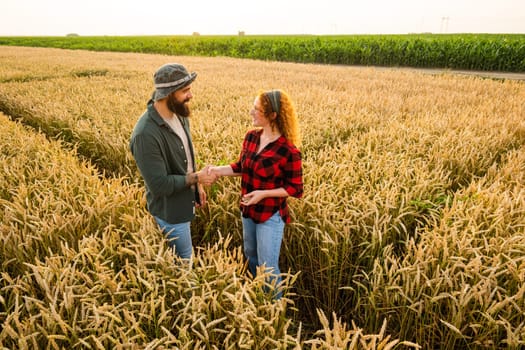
x: 410, y: 234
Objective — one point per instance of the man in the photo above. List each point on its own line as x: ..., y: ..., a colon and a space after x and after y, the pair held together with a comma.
x: 162, y: 147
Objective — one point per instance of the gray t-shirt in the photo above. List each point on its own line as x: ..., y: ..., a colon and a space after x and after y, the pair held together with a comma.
x: 176, y: 125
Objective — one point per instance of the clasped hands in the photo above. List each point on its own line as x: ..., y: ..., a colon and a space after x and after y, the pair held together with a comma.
x: 208, y: 175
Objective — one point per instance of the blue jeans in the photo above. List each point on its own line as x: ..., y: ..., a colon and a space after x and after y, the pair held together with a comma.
x: 262, y: 246
x: 178, y: 236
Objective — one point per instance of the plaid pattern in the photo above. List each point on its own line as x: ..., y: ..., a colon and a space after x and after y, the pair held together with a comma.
x: 278, y: 165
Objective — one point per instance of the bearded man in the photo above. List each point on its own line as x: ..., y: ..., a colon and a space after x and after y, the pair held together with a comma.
x: 163, y: 151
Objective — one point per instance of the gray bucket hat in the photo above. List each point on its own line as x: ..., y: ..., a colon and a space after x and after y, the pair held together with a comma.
x: 169, y: 78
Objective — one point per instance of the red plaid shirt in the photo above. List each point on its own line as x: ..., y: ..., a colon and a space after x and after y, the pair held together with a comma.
x: 277, y: 165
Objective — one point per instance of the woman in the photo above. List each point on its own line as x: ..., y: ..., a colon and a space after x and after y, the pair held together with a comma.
x: 271, y: 170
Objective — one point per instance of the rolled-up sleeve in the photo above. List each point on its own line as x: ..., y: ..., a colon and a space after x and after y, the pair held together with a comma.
x: 236, y: 167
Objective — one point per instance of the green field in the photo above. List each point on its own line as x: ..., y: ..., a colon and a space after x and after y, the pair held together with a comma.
x: 486, y: 52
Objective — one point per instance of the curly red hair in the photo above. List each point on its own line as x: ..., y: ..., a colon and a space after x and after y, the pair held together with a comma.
x: 286, y: 121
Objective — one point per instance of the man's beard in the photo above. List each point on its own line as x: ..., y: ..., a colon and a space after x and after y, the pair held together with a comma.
x: 179, y: 108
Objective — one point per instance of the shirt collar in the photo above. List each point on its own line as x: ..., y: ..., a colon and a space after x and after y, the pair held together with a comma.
x: 152, y: 112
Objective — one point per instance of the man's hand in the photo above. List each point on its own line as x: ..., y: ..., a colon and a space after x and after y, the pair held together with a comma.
x: 207, y: 177
x: 203, y: 197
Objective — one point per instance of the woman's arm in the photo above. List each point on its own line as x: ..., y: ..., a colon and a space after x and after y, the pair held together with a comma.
x: 223, y: 170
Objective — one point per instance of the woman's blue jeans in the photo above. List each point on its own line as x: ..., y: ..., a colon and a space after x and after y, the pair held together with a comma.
x: 178, y: 236
x: 262, y: 246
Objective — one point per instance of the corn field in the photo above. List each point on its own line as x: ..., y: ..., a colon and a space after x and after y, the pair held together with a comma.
x: 410, y: 234
x: 486, y: 52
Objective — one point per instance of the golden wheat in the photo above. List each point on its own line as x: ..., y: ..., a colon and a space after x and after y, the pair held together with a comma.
x: 412, y: 211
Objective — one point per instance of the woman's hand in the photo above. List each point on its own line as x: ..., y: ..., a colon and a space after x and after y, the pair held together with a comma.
x: 207, y: 177
x: 256, y: 196
x: 253, y: 198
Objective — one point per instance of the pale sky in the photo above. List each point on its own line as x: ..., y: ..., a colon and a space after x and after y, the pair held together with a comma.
x: 228, y: 17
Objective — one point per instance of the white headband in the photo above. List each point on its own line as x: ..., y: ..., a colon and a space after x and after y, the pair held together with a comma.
x: 173, y: 83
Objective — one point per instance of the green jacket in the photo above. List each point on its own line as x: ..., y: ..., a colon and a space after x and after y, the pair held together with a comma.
x: 161, y: 160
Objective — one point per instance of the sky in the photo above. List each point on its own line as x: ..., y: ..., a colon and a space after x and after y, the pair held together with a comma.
x: 229, y: 17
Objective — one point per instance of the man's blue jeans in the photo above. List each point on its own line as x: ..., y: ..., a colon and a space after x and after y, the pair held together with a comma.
x: 178, y: 236
x: 262, y: 246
